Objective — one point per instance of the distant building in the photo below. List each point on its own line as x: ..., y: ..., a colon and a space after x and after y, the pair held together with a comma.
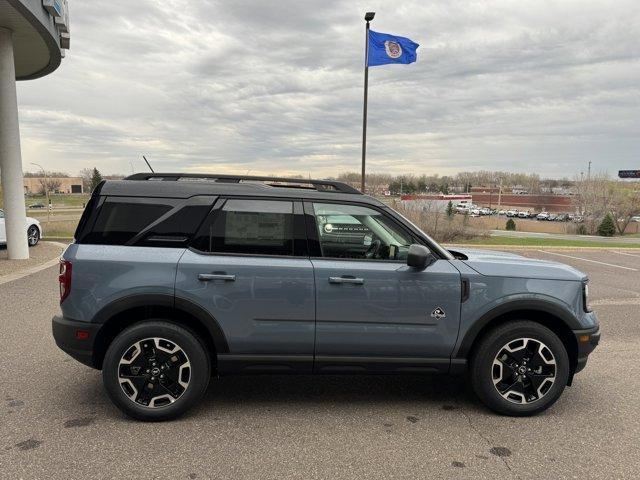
x: 485, y: 189
x: 35, y: 185
x: 434, y: 203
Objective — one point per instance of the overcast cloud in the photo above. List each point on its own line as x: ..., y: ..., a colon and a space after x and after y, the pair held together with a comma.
x: 276, y: 87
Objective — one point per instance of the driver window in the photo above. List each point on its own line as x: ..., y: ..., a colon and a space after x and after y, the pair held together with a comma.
x: 352, y: 231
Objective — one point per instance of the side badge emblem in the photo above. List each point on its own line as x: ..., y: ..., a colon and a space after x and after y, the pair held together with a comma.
x: 438, y: 313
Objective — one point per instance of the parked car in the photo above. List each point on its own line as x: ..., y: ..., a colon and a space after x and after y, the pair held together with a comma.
x: 552, y: 217
x: 542, y: 216
x: 32, y: 228
x: 486, y: 211
x: 36, y: 205
x: 170, y: 282
x: 512, y: 213
x: 502, y: 212
x: 523, y: 214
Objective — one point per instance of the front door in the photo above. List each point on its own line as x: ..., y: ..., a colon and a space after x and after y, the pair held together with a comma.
x: 373, y: 312
x: 248, y: 267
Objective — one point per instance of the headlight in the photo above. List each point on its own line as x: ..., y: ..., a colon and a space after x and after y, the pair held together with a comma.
x: 585, y: 297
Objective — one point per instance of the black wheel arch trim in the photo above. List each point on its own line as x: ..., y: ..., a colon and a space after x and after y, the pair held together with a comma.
x: 569, y: 320
x: 165, y: 301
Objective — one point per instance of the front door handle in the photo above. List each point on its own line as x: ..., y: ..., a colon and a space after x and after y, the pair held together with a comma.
x: 208, y: 277
x: 346, y: 279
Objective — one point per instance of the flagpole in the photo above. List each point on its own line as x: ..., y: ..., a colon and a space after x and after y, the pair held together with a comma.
x: 368, y: 17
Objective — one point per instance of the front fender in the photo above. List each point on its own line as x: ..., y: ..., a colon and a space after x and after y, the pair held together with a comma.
x: 517, y: 303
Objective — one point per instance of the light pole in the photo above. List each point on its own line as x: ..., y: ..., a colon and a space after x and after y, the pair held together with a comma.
x: 46, y: 189
x: 368, y: 17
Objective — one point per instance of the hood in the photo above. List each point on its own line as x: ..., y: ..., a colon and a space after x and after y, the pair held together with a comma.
x: 505, y: 264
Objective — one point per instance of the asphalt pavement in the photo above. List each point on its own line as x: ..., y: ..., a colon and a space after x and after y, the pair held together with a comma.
x: 56, y: 421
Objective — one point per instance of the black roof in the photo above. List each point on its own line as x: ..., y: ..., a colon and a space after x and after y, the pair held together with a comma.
x: 185, y: 185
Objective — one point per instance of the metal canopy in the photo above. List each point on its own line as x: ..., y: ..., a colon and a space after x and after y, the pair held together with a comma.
x: 36, y: 38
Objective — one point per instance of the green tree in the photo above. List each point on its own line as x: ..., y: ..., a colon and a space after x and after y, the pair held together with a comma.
x: 511, y: 225
x: 96, y: 178
x: 450, y: 210
x: 607, y: 227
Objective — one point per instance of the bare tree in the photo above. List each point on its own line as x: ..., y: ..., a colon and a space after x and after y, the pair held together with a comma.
x: 49, y: 184
x: 599, y: 195
x: 625, y: 204
x: 86, y: 174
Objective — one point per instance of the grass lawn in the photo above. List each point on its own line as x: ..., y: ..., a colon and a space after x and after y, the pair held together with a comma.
x: 64, y: 229
x: 548, y: 242
x: 60, y: 201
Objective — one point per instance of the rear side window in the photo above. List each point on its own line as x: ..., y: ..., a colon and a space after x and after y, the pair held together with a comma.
x: 120, y: 220
x: 258, y: 227
x: 150, y: 222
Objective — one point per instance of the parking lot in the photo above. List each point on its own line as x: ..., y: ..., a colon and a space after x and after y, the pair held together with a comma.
x: 56, y: 421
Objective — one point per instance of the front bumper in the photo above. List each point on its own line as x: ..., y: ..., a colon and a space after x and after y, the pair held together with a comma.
x: 77, y: 339
x: 587, y: 342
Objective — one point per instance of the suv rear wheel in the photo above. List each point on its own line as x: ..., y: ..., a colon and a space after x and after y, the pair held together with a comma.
x: 519, y: 368
x: 156, y: 370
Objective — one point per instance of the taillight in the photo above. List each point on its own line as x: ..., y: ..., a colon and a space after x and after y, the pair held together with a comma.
x: 65, y: 279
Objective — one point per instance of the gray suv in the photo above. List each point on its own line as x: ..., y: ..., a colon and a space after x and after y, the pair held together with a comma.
x: 173, y: 278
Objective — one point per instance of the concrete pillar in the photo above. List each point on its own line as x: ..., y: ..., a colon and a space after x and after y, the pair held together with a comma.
x: 10, y: 157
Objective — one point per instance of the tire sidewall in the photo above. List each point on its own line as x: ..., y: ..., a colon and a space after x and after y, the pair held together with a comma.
x: 193, y: 348
x: 37, y: 236
x: 482, y: 362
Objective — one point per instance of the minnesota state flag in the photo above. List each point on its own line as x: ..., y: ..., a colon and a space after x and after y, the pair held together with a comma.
x: 385, y: 48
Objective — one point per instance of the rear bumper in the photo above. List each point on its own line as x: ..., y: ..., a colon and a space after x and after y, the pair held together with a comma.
x: 70, y: 337
x: 587, y: 342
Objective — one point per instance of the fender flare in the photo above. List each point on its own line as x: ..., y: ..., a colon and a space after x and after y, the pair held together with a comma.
x: 566, y: 317
x: 176, y: 304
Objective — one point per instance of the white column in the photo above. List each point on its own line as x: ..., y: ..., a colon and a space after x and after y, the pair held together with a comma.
x: 10, y: 157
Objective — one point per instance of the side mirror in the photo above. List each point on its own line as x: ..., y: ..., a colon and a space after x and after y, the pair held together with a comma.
x: 419, y: 257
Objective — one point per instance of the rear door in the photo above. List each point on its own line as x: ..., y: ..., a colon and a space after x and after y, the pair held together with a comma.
x: 373, y: 311
x: 249, y: 267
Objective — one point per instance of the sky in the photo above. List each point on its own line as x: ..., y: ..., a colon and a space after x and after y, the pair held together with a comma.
x: 262, y: 87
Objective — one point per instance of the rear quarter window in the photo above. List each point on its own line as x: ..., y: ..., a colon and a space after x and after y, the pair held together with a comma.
x: 152, y: 222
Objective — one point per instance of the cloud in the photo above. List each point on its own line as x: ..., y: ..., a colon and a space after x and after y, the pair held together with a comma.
x: 276, y: 87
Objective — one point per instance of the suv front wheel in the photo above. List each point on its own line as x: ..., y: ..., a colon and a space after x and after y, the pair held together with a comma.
x: 519, y: 368
x: 156, y: 370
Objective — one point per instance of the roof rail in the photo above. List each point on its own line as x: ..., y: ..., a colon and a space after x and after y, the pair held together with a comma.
x: 320, y: 185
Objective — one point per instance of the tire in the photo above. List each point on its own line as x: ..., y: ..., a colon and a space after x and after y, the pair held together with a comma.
x: 33, y: 235
x: 158, y: 354
x: 519, y: 368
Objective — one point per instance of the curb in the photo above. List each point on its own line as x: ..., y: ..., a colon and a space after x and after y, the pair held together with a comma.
x: 38, y: 268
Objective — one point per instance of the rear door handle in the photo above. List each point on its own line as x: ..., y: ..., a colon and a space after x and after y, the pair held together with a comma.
x: 208, y: 277
x: 345, y: 279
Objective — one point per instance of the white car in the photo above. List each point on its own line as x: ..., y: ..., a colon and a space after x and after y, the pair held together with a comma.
x: 34, y: 230
x: 512, y: 213
x: 543, y: 216
x: 523, y: 214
